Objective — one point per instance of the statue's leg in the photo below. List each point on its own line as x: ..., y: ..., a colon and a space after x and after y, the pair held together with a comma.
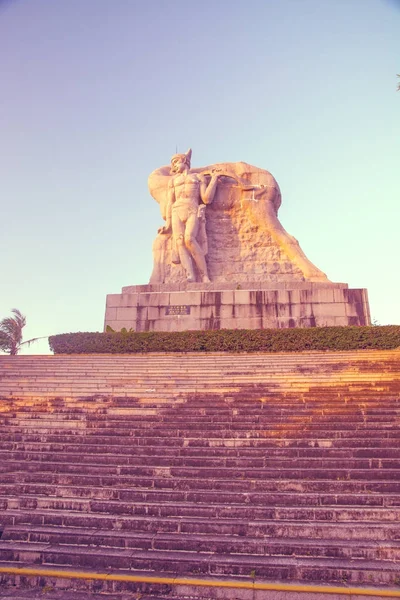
x: 178, y: 231
x: 192, y: 228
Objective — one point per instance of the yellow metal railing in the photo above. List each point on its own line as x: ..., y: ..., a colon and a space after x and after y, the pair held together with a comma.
x: 212, y: 583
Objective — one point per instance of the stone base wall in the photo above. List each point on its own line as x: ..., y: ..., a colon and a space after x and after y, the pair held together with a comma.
x: 229, y: 306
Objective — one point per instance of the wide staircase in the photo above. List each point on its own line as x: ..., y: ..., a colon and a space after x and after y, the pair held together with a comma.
x: 191, y: 475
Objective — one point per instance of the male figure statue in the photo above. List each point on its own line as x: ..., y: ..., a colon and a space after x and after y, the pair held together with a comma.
x: 188, y: 195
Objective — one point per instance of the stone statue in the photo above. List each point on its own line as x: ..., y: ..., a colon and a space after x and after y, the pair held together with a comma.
x: 188, y: 195
x: 241, y: 237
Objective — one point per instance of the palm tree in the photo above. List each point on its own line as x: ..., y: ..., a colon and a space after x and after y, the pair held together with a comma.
x: 11, y: 333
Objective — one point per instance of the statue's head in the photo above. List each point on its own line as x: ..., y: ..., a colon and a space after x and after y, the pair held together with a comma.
x: 180, y: 162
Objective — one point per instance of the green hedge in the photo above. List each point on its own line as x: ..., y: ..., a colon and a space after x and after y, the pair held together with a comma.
x: 229, y: 340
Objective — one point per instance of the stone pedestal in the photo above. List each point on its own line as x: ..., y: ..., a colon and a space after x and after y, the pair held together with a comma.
x: 258, y: 305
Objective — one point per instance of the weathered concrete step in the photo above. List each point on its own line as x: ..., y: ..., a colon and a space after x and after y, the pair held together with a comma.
x: 321, y: 430
x: 256, y: 421
x: 194, y: 452
x: 214, y: 409
x: 203, y: 379
x: 339, y: 485
x: 113, y: 370
x: 214, y: 414
x: 180, y: 563
x: 372, y: 550
x: 388, y: 474
x: 349, y: 361
x: 127, y: 590
x: 127, y: 450
x: 202, y: 510
x: 290, y: 430
x: 301, y: 362
x: 292, y: 497
x: 313, y: 393
x: 74, y: 387
x: 226, y: 396
x: 259, y: 421
x: 243, y: 462
x: 48, y: 591
x: 166, y: 369
x: 114, y: 373
x: 331, y: 360
x: 217, y: 413
x: 277, y: 441
x: 338, y: 530
x: 84, y: 391
x: 236, y: 422
x: 159, y: 508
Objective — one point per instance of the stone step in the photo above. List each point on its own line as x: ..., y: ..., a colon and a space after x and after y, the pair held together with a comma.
x: 290, y: 472
x: 323, y: 356
x: 202, y: 398
x: 309, y: 388
x: 112, y: 373
x: 220, y: 511
x: 337, y: 530
x: 323, y: 430
x: 158, y: 396
x: 126, y: 451
x: 207, y: 379
x: 379, y: 411
x: 292, y: 497
x: 234, y: 364
x: 84, y: 390
x: 332, y: 359
x: 150, y: 416
x: 193, y: 563
x: 358, y: 549
x: 159, y: 417
x: 305, y: 417
x: 194, y: 358
x: 204, y: 405
x: 208, y: 408
x: 218, y: 380
x: 202, y: 464
x: 93, y: 589
x: 258, y: 420
x: 47, y: 590
x: 242, y: 462
x: 277, y: 441
x: 182, y: 365
x: 340, y: 485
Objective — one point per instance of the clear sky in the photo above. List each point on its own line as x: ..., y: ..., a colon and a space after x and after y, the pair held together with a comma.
x: 96, y: 94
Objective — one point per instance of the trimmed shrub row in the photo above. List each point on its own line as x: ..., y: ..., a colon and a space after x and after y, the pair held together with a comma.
x: 229, y: 340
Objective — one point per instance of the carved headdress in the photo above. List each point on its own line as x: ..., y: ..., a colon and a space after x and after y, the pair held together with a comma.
x: 187, y: 157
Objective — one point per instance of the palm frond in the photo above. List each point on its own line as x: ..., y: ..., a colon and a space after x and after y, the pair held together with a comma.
x: 11, y: 331
x: 4, y: 342
x: 19, y: 317
x: 29, y: 342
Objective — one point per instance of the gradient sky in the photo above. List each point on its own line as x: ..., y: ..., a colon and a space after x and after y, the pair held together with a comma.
x: 96, y: 94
